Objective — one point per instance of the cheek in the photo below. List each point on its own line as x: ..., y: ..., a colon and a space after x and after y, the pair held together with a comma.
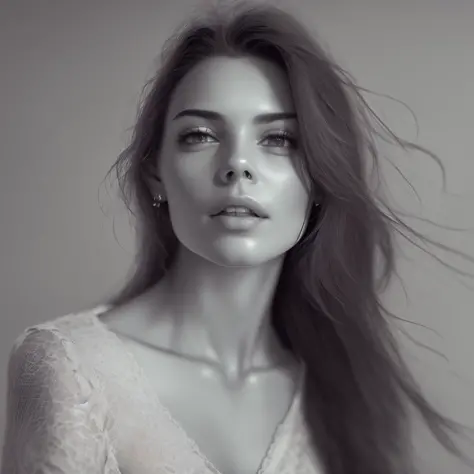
x: 296, y: 210
x: 186, y: 176
x: 292, y: 197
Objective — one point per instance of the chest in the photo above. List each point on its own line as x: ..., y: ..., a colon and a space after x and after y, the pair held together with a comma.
x: 233, y: 428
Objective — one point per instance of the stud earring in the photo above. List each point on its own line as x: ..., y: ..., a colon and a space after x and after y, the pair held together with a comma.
x: 157, y: 200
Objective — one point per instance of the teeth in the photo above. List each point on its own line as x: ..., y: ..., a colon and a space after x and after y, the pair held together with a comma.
x: 238, y: 210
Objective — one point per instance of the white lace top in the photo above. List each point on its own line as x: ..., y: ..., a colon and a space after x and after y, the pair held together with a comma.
x: 70, y: 377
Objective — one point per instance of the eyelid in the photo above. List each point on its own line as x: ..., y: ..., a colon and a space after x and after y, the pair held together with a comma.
x: 279, y: 133
x: 197, y: 130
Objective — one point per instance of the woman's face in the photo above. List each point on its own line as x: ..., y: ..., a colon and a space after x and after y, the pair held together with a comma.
x: 228, y: 151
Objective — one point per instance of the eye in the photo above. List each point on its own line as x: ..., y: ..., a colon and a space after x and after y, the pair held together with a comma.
x: 196, y: 136
x: 280, y: 139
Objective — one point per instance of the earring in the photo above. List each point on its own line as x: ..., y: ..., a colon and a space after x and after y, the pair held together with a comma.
x: 157, y: 200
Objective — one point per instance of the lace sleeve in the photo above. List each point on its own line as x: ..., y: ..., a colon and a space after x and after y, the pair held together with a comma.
x: 56, y: 412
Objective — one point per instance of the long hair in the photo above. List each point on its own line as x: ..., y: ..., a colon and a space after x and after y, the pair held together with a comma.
x: 327, y: 309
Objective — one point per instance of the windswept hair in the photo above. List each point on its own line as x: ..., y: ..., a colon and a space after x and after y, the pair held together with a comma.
x: 327, y: 308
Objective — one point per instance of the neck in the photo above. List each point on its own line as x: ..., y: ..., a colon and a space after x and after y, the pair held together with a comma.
x: 225, y: 312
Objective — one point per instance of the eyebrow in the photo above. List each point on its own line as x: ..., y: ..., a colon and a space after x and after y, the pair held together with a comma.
x: 259, y: 119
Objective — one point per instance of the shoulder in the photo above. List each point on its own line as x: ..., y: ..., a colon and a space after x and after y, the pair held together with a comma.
x: 54, y: 333
x: 37, y: 358
x: 57, y: 411
x: 47, y: 350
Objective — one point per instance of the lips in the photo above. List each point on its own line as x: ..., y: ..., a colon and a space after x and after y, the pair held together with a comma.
x: 237, y: 211
x: 244, y: 206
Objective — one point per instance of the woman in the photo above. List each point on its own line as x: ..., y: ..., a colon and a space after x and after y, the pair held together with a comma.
x: 251, y: 337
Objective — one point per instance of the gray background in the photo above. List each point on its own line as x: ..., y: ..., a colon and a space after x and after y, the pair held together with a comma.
x: 71, y: 76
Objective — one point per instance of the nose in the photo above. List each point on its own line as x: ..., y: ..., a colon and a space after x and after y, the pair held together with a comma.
x: 235, y: 170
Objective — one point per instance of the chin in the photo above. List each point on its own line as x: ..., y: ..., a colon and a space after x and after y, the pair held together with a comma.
x: 237, y: 252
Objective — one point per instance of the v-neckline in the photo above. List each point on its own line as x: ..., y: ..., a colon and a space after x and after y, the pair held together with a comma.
x: 276, y: 439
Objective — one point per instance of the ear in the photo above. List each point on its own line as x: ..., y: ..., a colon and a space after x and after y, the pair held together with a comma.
x: 154, y: 183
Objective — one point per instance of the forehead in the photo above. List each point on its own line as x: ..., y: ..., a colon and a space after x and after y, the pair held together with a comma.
x: 232, y: 86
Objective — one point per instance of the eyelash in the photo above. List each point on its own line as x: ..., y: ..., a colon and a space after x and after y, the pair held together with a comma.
x: 199, y: 132
x: 283, y: 134
x: 193, y: 132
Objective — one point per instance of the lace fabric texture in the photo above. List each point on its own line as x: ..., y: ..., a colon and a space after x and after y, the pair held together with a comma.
x: 73, y: 390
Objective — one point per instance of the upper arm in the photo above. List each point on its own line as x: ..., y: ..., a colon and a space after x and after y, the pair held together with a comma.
x: 56, y: 415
